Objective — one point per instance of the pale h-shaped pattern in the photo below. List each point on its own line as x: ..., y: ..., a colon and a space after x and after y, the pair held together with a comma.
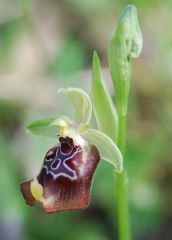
x: 59, y: 161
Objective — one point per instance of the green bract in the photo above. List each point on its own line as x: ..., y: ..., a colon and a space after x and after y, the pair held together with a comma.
x: 104, y: 109
x: 126, y: 42
x: 79, y: 129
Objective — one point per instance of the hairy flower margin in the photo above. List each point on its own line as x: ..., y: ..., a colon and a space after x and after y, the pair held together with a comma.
x: 65, y: 178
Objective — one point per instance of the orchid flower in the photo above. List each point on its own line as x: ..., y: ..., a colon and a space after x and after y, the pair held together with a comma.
x: 65, y: 178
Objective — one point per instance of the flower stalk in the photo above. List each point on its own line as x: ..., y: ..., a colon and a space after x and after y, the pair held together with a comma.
x: 122, y: 186
x: 126, y: 43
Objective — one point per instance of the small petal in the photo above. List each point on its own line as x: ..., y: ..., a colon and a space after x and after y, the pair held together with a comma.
x: 65, y: 178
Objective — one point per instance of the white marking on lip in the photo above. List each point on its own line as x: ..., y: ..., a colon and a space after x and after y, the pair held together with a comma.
x: 55, y: 176
x: 63, y: 153
x: 50, y: 153
x: 48, y: 160
x: 59, y: 162
x: 83, y: 166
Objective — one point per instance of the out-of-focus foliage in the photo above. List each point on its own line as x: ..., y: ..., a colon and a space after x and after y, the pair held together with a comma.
x: 64, y: 61
x: 45, y: 45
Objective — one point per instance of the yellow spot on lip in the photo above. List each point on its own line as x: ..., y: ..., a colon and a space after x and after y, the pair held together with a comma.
x: 37, y: 190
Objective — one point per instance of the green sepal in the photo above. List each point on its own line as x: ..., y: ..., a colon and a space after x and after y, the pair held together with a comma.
x: 81, y: 102
x: 49, y: 127
x: 108, y: 150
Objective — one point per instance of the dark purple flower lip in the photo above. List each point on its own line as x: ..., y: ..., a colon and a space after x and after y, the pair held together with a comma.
x: 65, y: 178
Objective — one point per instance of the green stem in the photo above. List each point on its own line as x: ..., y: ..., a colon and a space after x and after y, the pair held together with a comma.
x: 122, y: 186
x: 126, y: 43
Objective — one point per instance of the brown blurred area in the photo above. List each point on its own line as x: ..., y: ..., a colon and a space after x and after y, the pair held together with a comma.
x: 48, y: 44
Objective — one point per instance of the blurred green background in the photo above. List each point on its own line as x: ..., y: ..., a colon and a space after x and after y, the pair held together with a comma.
x: 48, y: 44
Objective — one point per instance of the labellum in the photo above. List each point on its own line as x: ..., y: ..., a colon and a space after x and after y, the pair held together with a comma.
x: 65, y: 178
